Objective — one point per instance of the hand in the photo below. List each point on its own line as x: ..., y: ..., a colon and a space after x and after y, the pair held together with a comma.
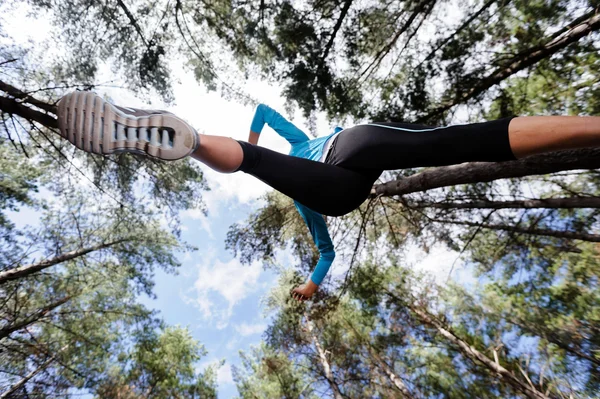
x: 304, y: 291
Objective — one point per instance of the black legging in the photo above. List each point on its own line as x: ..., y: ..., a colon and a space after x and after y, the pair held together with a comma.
x: 360, y: 154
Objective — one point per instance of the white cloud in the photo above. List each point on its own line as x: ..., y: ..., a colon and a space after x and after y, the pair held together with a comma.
x: 246, y: 329
x: 198, y: 215
x: 233, y: 186
x: 217, y: 281
x: 232, y: 343
x: 438, y: 262
x: 224, y: 375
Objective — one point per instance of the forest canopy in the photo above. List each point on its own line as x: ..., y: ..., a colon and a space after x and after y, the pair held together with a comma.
x: 527, y: 325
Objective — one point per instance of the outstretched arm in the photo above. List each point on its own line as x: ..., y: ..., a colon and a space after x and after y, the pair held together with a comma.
x: 318, y: 229
x: 286, y: 129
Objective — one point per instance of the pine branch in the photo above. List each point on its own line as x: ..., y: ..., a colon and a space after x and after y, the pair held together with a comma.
x: 550, y: 203
x: 6, y: 331
x: 520, y: 62
x: 571, y: 235
x: 474, y: 172
x: 474, y: 355
x: 26, y: 270
x: 24, y: 380
x: 133, y: 21
x: 14, y: 107
x: 26, y: 97
x: 466, y: 24
x: 336, y: 28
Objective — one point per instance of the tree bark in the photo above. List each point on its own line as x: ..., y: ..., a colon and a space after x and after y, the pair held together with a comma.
x: 571, y: 235
x: 474, y: 172
x: 389, y: 371
x: 25, y: 379
x: 550, y: 203
x: 397, y: 381
x: 133, y: 21
x: 336, y: 28
x: 14, y: 107
x: 337, y: 394
x: 477, y: 357
x: 425, y: 6
x: 6, y: 331
x: 21, y: 95
x: 578, y: 30
x: 459, y: 29
x: 23, y: 271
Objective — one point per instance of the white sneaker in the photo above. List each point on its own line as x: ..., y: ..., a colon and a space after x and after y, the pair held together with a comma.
x: 94, y: 125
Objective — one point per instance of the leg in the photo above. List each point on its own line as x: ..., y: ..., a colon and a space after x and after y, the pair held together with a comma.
x: 537, y: 134
x: 222, y: 154
x: 327, y: 189
x: 389, y: 146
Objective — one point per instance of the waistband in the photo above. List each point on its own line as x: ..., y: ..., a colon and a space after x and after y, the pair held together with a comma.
x: 328, y: 146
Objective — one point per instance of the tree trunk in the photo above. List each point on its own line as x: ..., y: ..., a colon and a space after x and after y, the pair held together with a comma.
x: 397, y: 381
x: 466, y: 24
x: 18, y: 385
x: 550, y: 336
x: 6, y: 331
x: 571, y: 235
x: 21, y: 95
x: 475, y: 172
x: 13, y: 107
x: 550, y: 203
x: 521, y: 61
x: 336, y: 28
x: 23, y: 271
x: 389, y: 371
x: 424, y: 7
x: 477, y: 357
x: 337, y: 394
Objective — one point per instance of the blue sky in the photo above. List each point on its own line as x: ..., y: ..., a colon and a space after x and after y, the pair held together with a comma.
x: 215, y: 296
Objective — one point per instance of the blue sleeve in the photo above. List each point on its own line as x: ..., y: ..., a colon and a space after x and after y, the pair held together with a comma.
x: 286, y: 129
x: 318, y: 230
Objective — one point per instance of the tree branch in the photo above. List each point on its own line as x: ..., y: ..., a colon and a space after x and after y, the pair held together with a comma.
x: 24, y: 380
x: 25, y: 97
x: 474, y: 355
x: 550, y: 203
x: 13, y: 107
x: 473, y: 172
x: 132, y: 20
x: 424, y: 7
x: 336, y: 28
x: 536, y: 232
x: 23, y: 271
x: 6, y: 331
x: 520, y: 62
x: 459, y: 29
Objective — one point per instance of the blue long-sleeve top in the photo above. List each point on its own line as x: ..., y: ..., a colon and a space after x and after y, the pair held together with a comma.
x: 302, y: 147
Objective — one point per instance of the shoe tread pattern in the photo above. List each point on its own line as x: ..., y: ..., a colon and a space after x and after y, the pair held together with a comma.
x: 94, y: 125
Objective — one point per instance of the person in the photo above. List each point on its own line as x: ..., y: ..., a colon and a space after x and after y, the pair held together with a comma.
x: 330, y: 175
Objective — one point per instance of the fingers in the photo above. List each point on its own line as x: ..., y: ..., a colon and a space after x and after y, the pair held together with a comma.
x: 298, y: 296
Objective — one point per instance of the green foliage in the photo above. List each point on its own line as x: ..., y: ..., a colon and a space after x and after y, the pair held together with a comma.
x: 266, y: 373
x: 380, y: 59
x: 18, y: 180
x: 70, y: 321
x: 160, y: 366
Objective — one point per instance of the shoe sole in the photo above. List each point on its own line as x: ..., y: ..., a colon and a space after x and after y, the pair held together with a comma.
x: 95, y: 125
